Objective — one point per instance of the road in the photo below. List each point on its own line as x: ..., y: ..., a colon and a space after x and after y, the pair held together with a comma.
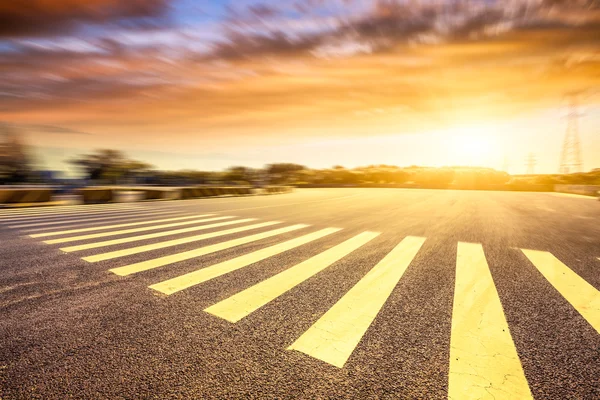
x: 321, y: 293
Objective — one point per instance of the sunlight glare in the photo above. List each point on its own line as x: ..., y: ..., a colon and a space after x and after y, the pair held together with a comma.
x: 473, y: 146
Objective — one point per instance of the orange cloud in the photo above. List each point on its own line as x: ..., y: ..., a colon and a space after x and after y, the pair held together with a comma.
x: 416, y: 75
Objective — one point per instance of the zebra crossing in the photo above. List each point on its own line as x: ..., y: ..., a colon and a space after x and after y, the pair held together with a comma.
x: 483, y: 356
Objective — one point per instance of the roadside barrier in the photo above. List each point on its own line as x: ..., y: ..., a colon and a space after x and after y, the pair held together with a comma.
x: 161, y: 194
x: 25, y: 195
x: 587, y: 190
x: 212, y: 191
x: 244, y: 190
x: 92, y: 195
x: 277, y: 189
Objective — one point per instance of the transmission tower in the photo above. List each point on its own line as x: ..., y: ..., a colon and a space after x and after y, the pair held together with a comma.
x: 570, y: 158
x: 530, y: 162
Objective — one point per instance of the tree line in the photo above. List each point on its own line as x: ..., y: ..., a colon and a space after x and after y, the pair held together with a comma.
x: 107, y: 166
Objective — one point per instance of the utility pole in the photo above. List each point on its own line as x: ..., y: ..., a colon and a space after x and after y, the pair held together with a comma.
x: 530, y: 163
x: 570, y: 159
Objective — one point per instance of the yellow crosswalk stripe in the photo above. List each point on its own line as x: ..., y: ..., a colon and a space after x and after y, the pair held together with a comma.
x: 133, y: 230
x: 335, y: 335
x: 161, y: 261
x: 53, y: 211
x: 105, y: 227
x: 69, y: 214
x: 120, y: 225
x: 247, y: 301
x: 16, y: 218
x: 483, y: 359
x: 131, y: 214
x: 130, y: 239
x: 174, y: 242
x: 58, y: 209
x: 202, y: 275
x: 580, y: 294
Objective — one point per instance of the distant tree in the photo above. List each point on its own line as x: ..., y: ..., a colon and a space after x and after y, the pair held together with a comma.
x: 283, y: 168
x: 109, y: 165
x: 133, y: 169
x: 435, y: 177
x: 183, y: 177
x: 546, y: 179
x: 15, y: 161
x: 199, y: 177
x: 243, y: 175
x: 498, y: 177
x: 284, y: 172
x: 307, y: 176
x: 341, y: 175
x: 98, y: 164
x: 399, y: 176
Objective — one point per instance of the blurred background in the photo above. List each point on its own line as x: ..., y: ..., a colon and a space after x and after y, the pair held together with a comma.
x: 423, y: 93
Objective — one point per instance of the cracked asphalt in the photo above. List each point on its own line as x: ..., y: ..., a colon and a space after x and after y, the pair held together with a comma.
x: 72, y: 329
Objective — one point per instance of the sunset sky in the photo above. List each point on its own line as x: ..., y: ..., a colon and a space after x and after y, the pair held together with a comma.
x: 214, y: 83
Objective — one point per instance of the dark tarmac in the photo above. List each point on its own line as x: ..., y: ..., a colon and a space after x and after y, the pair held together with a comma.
x: 70, y: 328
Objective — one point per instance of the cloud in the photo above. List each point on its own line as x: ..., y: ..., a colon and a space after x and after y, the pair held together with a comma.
x: 40, y: 128
x: 261, y: 30
x: 263, y: 11
x: 40, y: 17
x: 53, y: 129
x: 239, y: 45
x: 580, y: 4
x: 273, y: 66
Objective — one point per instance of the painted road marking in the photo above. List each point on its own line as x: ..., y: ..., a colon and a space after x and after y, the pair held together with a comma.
x: 161, y: 261
x: 202, y: 275
x: 483, y: 359
x: 133, y: 230
x: 335, y: 335
x: 175, y: 242
x: 130, y: 239
x: 59, y: 209
x: 47, y: 211
x: 583, y: 297
x: 105, y: 227
x: 26, y: 218
x: 247, y: 301
x: 69, y: 221
x: 69, y: 214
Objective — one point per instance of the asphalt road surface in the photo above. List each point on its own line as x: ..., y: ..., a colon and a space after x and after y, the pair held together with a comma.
x: 321, y: 293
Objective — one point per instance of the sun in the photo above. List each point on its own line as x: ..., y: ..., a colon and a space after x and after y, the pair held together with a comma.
x: 472, y: 147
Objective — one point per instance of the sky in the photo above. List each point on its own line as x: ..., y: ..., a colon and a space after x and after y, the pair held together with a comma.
x: 186, y: 84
